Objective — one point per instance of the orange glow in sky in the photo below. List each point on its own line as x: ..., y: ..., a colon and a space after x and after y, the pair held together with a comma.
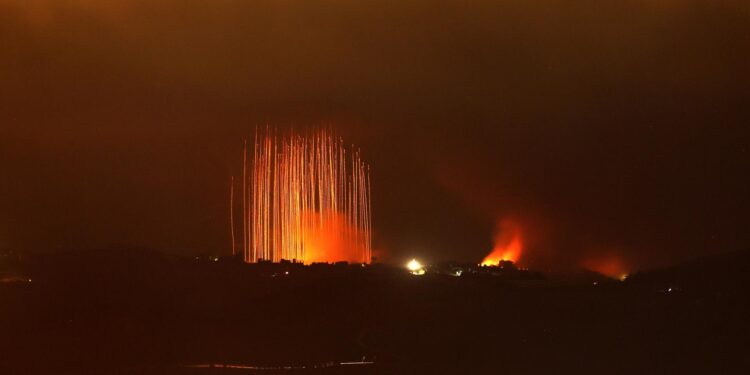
x: 335, y: 240
x: 611, y: 266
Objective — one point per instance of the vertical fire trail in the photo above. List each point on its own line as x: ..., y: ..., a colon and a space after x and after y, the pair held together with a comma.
x: 308, y: 200
x: 231, y: 214
x: 244, y: 199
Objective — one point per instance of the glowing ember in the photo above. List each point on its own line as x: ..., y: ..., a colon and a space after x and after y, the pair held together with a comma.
x: 309, y: 200
x: 508, y: 244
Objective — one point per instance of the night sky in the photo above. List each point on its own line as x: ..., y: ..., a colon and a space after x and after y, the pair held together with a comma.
x: 605, y: 132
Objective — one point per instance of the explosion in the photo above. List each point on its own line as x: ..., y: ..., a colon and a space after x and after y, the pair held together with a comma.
x: 508, y: 244
x: 306, y: 199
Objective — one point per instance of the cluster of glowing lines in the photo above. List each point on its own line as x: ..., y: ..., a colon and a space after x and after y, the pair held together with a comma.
x: 306, y: 198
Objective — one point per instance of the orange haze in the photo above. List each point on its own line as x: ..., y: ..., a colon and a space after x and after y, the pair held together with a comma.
x: 508, y: 244
x: 611, y: 266
x: 332, y: 241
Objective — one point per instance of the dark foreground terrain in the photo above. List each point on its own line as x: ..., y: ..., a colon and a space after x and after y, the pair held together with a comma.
x: 136, y: 312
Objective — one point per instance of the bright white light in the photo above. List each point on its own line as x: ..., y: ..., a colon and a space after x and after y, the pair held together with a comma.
x: 413, y: 265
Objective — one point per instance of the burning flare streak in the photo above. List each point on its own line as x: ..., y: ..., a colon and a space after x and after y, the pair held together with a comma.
x: 306, y: 199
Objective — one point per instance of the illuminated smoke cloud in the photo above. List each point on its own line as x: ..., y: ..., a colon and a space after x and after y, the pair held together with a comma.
x: 508, y: 243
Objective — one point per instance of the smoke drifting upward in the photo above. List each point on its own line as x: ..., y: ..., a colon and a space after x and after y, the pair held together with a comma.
x: 309, y: 200
x: 508, y: 243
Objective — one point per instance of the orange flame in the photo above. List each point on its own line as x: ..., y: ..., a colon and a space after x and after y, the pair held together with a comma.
x: 508, y: 244
x: 336, y: 240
